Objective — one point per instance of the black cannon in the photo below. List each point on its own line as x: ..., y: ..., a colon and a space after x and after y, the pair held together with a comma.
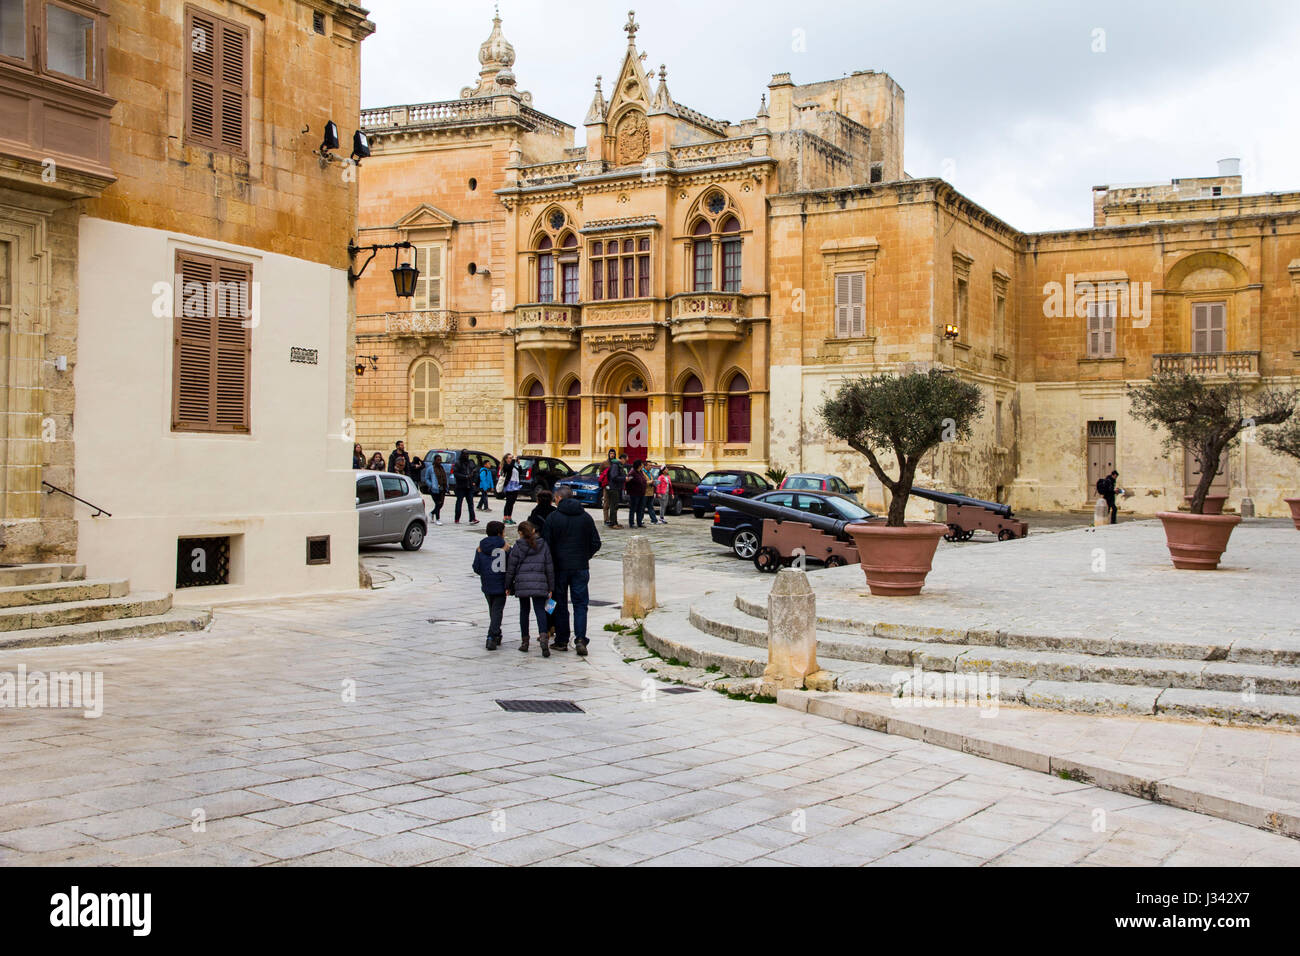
x: 967, y: 515
x: 788, y: 531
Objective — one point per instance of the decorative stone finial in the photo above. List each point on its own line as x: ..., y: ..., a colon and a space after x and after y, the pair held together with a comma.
x: 663, y: 73
x: 631, y: 27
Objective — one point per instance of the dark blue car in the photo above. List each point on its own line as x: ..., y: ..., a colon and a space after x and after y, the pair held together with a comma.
x: 743, y: 533
x: 746, y: 484
x: 585, y: 484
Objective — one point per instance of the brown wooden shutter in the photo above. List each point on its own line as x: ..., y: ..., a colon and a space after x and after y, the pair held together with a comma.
x: 212, y: 344
x: 216, y: 82
x: 200, y: 78
x: 233, y: 84
x: 843, y: 322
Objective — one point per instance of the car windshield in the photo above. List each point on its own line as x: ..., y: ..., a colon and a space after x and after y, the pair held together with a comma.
x: 592, y: 470
x: 730, y: 479
x: 804, y: 482
x: 848, y: 509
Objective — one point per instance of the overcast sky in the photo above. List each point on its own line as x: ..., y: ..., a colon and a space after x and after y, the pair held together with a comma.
x: 1007, y: 100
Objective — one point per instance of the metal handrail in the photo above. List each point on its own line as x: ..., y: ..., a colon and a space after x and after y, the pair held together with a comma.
x: 98, y: 510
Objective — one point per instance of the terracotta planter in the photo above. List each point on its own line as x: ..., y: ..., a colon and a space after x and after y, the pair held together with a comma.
x: 1295, y: 510
x: 1213, y: 503
x: 896, y: 560
x: 1196, y: 542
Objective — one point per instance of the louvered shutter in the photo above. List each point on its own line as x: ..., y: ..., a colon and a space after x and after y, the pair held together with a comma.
x: 1217, y: 329
x: 1108, y: 330
x: 843, y: 320
x: 201, y: 104
x: 233, y: 85
x: 857, y: 304
x: 1094, y: 330
x: 1200, y: 328
x: 192, y: 366
x: 234, y: 339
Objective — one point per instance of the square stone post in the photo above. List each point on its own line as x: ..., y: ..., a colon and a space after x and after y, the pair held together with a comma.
x: 638, y: 578
x: 791, y: 630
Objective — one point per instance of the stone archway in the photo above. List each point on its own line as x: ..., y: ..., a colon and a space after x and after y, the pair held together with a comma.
x: 625, y: 407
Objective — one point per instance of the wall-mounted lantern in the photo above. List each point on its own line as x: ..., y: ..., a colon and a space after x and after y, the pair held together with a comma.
x: 404, y: 275
x: 951, y: 331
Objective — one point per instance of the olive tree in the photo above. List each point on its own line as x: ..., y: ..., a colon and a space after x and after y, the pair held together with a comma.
x: 907, y: 415
x: 1286, y: 439
x: 1204, y: 418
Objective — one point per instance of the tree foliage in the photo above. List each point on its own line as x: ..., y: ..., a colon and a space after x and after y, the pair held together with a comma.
x: 1206, y: 418
x: 1285, y: 440
x: 906, y: 415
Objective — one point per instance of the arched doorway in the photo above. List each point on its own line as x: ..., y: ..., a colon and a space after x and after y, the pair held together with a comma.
x: 624, y: 424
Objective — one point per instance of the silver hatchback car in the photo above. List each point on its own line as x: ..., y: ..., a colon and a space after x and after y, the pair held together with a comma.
x: 390, y: 509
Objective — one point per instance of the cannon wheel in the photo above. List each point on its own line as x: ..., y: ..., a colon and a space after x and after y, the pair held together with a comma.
x: 768, y: 560
x: 1006, y: 534
x: 954, y: 533
x: 835, y: 561
x: 967, y: 535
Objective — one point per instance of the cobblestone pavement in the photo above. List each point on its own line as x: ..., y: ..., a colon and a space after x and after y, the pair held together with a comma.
x: 248, y: 729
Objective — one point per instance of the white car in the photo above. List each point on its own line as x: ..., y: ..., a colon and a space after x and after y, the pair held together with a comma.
x: 390, y: 509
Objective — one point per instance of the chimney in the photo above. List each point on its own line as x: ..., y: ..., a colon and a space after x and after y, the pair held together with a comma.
x: 1230, y: 167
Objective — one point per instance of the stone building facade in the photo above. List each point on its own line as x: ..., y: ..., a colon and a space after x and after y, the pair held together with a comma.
x: 721, y: 278
x: 174, y: 284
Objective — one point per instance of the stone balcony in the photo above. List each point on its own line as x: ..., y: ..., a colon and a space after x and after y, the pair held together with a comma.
x: 421, y: 323
x: 698, y: 316
x: 1239, y: 364
x: 546, y: 326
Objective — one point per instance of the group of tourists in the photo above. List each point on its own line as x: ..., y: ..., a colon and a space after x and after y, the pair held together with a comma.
x: 648, y: 489
x: 547, y: 569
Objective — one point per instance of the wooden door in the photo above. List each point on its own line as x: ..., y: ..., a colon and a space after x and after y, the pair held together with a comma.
x: 636, y: 437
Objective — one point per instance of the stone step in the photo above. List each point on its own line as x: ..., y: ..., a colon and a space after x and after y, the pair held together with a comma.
x: 22, y: 574
x: 673, y: 634
x: 718, y: 615
x: 63, y: 591
x: 153, y: 625
x: 30, y: 616
x: 838, y: 618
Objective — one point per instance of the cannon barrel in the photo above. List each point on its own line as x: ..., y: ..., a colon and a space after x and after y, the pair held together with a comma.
x: 943, y: 497
x: 762, y: 509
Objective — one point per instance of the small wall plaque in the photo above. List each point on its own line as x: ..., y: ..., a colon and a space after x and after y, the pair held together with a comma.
x: 304, y: 356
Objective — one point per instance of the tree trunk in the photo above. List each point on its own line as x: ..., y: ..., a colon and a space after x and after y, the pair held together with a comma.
x: 901, y: 490
x: 1210, y: 454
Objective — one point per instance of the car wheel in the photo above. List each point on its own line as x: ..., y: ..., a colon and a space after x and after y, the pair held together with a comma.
x: 413, y: 540
x: 699, y: 512
x: 745, y: 544
x: 677, y: 506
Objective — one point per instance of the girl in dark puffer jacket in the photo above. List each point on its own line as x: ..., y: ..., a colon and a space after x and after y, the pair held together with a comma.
x: 530, y: 577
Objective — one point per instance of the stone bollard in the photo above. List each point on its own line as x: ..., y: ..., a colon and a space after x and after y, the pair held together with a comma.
x: 1100, y: 513
x: 791, y: 630
x: 638, y: 578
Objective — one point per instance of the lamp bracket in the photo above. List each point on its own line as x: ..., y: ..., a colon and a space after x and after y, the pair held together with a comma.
x: 354, y: 250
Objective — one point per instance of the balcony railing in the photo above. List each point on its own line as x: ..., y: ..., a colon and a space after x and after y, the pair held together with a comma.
x: 698, y: 305
x: 422, y: 322
x: 546, y: 316
x: 1207, y: 363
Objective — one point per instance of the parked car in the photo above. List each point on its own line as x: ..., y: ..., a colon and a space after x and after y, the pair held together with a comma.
x: 390, y: 509
x: 815, y: 482
x: 732, y: 481
x: 477, y: 460
x: 743, y: 533
x: 540, y: 474
x: 585, y: 484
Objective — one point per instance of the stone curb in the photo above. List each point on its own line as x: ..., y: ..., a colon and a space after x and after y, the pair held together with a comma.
x: 1256, y: 810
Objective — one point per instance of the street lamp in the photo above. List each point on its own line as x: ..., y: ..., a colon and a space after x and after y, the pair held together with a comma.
x: 950, y: 331
x: 404, y: 275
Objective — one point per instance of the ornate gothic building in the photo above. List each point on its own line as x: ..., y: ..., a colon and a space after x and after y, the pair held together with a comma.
x: 690, y: 288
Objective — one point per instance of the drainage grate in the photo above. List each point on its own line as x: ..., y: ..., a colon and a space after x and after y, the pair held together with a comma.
x: 681, y: 690
x: 541, y: 706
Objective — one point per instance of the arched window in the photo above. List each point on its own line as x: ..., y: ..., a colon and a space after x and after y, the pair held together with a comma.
x: 545, y: 271
x: 703, y: 257
x: 569, y: 268
x: 738, y: 410
x: 426, y: 391
x: 573, y: 415
x: 730, y: 230
x: 536, y: 414
x: 692, y: 412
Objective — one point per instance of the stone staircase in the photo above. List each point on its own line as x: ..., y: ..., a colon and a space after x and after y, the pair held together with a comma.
x: 48, y: 604
x: 1250, y: 683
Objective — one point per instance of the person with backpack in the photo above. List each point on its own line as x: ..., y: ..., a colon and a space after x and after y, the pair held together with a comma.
x: 485, y: 482
x: 464, y: 487
x: 617, y: 482
x: 1108, y: 487
x: 490, y: 559
x: 602, y: 481
x: 530, y: 577
x: 573, y: 540
x: 435, y: 479
x: 636, y: 488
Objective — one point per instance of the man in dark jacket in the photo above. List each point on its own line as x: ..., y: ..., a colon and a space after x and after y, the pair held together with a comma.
x: 490, y: 565
x: 573, y: 539
x: 399, y: 451
x: 1108, y: 487
x: 615, y: 483
x: 462, y: 471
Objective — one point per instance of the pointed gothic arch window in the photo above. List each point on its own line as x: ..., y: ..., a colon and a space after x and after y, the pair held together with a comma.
x: 692, y: 411
x: 573, y: 414
x: 738, y: 410
x: 536, y: 414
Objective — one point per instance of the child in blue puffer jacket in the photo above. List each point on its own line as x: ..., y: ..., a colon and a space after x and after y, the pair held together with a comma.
x: 490, y: 565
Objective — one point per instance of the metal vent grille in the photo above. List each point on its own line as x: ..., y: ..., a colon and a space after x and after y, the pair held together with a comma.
x: 318, y: 550
x: 202, y: 562
x: 1101, y: 429
x: 541, y: 706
